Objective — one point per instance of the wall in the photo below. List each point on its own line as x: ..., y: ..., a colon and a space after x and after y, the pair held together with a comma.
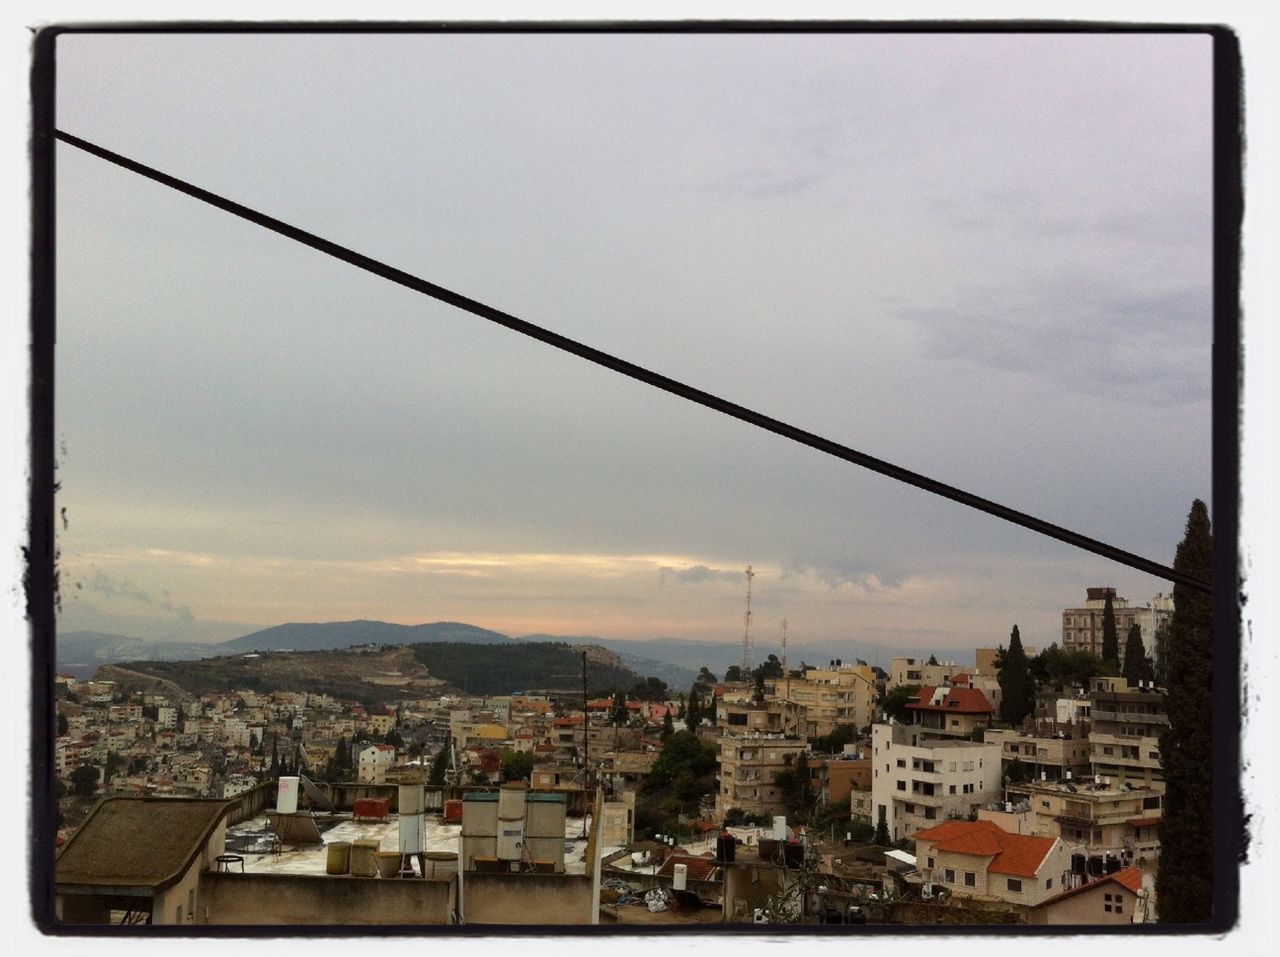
x: 1089, y: 907
x: 526, y: 898
x: 269, y: 899
x: 251, y: 803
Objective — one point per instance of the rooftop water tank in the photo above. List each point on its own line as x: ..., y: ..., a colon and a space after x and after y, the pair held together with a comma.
x: 287, y: 795
x: 679, y: 876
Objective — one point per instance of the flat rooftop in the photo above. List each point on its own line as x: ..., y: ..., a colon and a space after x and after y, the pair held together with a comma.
x: 252, y: 840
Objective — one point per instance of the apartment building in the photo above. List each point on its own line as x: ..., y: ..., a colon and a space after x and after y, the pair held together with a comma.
x: 1124, y: 731
x: 373, y: 763
x: 821, y: 699
x: 1082, y: 627
x: 920, y: 779
x: 749, y: 765
x: 917, y: 671
x: 956, y: 711
x: 1049, y: 756
x: 1083, y: 812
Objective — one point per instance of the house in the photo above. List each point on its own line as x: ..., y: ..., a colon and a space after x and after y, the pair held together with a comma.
x: 373, y: 763
x: 1118, y: 898
x: 914, y: 671
x: 981, y: 861
x: 956, y: 710
x: 749, y: 767
x: 139, y: 860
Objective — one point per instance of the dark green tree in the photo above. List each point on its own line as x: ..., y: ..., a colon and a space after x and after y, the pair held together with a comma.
x: 394, y: 738
x: 516, y: 765
x: 882, y: 829
x: 62, y: 725
x: 650, y: 689
x: 1110, y: 639
x: 1017, y: 688
x: 1056, y: 665
x: 706, y: 677
x: 734, y: 673
x: 693, y: 714
x: 84, y: 780
x: 1137, y: 666
x: 439, y: 767
x: 618, y: 711
x: 1184, y: 880
x: 895, y: 703
x: 668, y: 726
x: 933, y: 660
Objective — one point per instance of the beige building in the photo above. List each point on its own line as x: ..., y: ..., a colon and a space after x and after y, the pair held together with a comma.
x: 1118, y: 898
x: 921, y: 780
x: 1125, y: 725
x: 1050, y: 757
x: 373, y: 763
x: 1095, y: 817
x: 749, y: 765
x: 824, y: 698
x: 980, y: 861
x: 917, y: 671
x: 954, y: 711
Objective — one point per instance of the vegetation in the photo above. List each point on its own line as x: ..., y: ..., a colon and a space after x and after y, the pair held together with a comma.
x: 693, y: 713
x: 1110, y: 640
x: 1017, y: 688
x: 797, y: 794
x: 1137, y: 666
x: 682, y: 773
x: 736, y: 817
x: 520, y: 666
x: 882, y: 829
x: 84, y: 781
x: 1184, y: 881
x: 1056, y: 665
x: 650, y: 689
x: 895, y: 702
x: 668, y: 726
x: 834, y: 742
x: 516, y: 765
x: 439, y: 767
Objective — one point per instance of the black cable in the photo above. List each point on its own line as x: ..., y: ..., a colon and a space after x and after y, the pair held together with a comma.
x: 641, y: 374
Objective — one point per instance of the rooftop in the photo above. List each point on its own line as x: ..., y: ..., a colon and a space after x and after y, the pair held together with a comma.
x: 1018, y: 854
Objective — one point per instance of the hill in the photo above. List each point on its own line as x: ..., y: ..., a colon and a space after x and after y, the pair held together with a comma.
x: 323, y: 636
x: 525, y: 666
x: 81, y: 652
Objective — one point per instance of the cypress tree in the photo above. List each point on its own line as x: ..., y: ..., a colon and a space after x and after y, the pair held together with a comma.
x: 693, y: 714
x: 1184, y: 881
x: 1110, y: 639
x: 668, y: 726
x: 1137, y: 667
x: 1017, y: 690
x: 882, y: 829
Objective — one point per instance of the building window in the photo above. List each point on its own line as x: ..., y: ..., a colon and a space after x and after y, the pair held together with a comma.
x: 902, y: 785
x: 902, y: 763
x: 1015, y: 885
x: 953, y: 789
x: 1048, y: 883
x: 930, y: 860
x: 909, y: 809
x: 949, y: 876
x: 970, y: 879
x: 1107, y: 908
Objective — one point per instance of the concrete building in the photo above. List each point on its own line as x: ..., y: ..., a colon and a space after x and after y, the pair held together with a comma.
x: 749, y: 765
x: 953, y: 711
x: 1124, y: 731
x: 1082, y: 627
x: 1118, y: 898
x: 1093, y: 817
x: 374, y: 762
x: 979, y: 861
x: 822, y: 699
x: 917, y: 671
x: 1050, y: 757
x: 921, y: 780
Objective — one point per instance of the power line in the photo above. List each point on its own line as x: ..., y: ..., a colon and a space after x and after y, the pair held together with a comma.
x: 642, y: 374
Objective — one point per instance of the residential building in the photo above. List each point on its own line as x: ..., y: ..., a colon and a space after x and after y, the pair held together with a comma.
x: 1048, y: 757
x: 980, y: 861
x: 1082, y: 627
x: 374, y: 762
x: 1117, y: 898
x: 920, y: 779
x: 749, y: 766
x: 823, y: 699
x: 956, y: 711
x: 917, y: 671
x: 1094, y: 817
x: 1124, y: 731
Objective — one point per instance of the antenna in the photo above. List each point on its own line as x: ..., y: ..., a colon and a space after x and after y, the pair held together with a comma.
x: 786, y: 675
x: 746, y: 629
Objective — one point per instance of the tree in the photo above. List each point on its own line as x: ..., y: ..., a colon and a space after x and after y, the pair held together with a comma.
x: 1184, y: 881
x: 62, y: 725
x: 618, y: 710
x: 394, y: 738
x: 797, y: 795
x: 1110, y: 640
x: 516, y: 765
x: 650, y: 689
x: 1056, y: 665
x: 771, y: 667
x: 1017, y: 689
x: 1137, y: 666
x: 706, y: 677
x: 734, y: 673
x: 439, y: 767
x: 84, y: 780
x: 668, y: 726
x: 933, y: 660
x: 882, y: 829
x: 895, y: 702
x: 693, y: 714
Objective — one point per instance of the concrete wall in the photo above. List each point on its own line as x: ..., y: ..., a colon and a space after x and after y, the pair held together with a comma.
x: 269, y: 899
x: 251, y: 803
x: 526, y: 898
x: 1090, y: 907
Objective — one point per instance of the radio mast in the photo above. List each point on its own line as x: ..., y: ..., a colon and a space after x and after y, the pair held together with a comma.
x: 746, y: 630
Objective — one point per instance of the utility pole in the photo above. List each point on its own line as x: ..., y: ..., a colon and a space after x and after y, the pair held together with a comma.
x: 586, y: 745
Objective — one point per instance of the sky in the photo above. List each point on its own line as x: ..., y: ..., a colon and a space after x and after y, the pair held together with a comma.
x: 984, y: 258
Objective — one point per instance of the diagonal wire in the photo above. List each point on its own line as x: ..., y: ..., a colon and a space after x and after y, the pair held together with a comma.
x: 642, y: 374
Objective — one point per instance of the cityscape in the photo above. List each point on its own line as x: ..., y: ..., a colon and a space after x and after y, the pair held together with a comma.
x: 860, y: 578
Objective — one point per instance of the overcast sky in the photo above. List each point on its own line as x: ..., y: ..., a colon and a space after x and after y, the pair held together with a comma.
x: 985, y: 258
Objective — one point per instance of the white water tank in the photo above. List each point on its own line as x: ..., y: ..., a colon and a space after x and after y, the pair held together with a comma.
x: 511, y: 801
x: 679, y: 876
x: 411, y: 836
x: 779, y: 827
x: 287, y: 795
x: 411, y: 799
x: 510, y: 840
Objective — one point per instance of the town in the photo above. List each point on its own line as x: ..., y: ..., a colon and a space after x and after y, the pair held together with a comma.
x: 1020, y: 786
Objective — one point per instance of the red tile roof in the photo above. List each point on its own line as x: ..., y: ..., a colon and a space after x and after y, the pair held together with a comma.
x: 1018, y: 854
x: 956, y: 701
x: 700, y: 868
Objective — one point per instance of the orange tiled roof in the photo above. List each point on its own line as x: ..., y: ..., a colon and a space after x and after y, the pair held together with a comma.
x: 1018, y: 854
x: 957, y: 701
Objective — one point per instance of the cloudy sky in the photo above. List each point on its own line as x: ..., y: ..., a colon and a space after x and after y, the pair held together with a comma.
x: 985, y: 258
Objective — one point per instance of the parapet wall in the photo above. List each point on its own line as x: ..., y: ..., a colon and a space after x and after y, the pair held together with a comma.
x: 294, y: 899
x: 526, y: 898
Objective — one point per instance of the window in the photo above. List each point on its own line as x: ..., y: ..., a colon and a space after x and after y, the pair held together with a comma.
x: 902, y: 785
x: 970, y: 879
x: 930, y: 813
x: 191, y: 903
x: 177, y: 917
x: 1015, y: 885
x: 949, y: 876
x: 930, y: 860
x: 902, y: 763
x: 1048, y: 883
x: 953, y: 789
x: 1106, y: 897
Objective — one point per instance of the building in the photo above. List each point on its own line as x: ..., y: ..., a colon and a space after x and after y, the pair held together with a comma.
x: 374, y: 762
x: 1118, y: 898
x: 957, y: 711
x: 749, y: 766
x: 915, y: 671
x: 1049, y: 757
x: 920, y: 780
x: 980, y: 861
x: 1093, y: 817
x: 1082, y: 627
x: 822, y: 699
x: 1124, y: 731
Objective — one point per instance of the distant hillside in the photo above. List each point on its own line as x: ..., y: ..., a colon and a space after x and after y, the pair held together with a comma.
x: 678, y: 678
x: 323, y: 636
x: 524, y: 666
x: 81, y: 652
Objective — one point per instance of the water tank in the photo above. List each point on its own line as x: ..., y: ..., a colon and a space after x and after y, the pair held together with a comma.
x: 441, y: 864
x: 510, y: 840
x: 511, y: 801
x: 779, y: 827
x: 363, y: 863
x: 679, y: 877
x: 726, y: 848
x: 287, y: 795
x: 338, y: 858
x: 453, y: 812
x: 412, y: 799
x: 411, y: 833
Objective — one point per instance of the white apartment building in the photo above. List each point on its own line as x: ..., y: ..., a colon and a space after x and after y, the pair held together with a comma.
x: 917, y: 671
x: 373, y: 763
x: 167, y: 717
x: 922, y: 781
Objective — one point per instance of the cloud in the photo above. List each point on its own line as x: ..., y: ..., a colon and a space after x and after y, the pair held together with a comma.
x: 698, y: 574
x: 110, y: 588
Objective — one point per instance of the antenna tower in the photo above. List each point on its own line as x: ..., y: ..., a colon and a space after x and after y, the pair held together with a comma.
x: 786, y: 675
x: 746, y: 629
